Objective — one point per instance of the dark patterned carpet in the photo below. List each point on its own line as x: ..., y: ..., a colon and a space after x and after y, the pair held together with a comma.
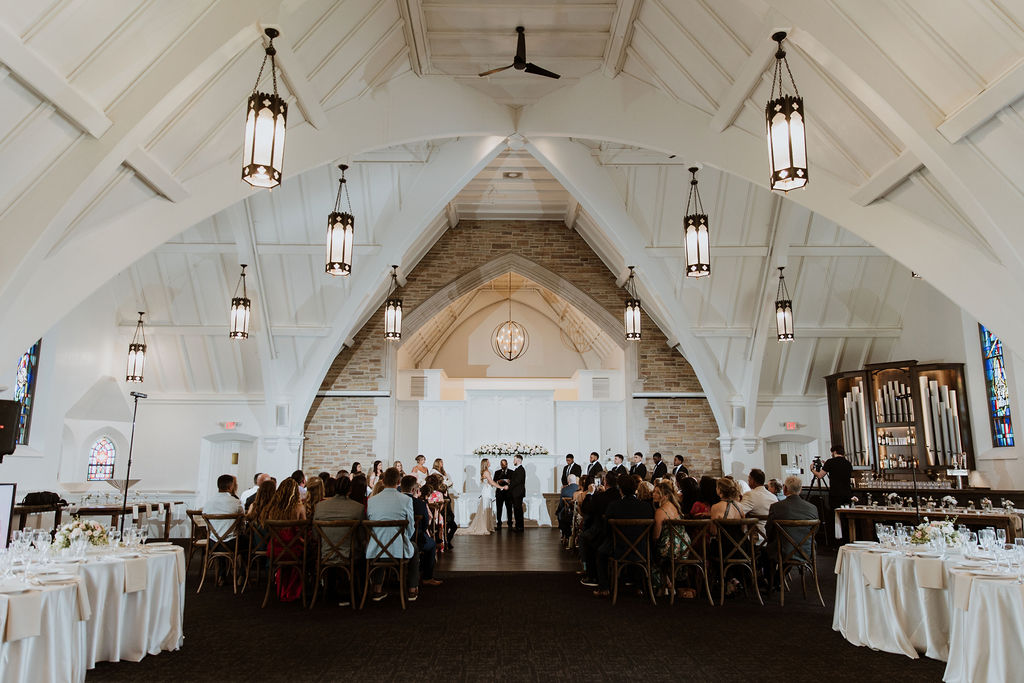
x: 515, y: 627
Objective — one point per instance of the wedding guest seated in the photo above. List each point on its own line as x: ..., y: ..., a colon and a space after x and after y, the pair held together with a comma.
x: 593, y: 533
x: 792, y: 508
x: 758, y: 499
x: 314, y: 494
x: 667, y: 507
x: 343, y: 474
x: 375, y: 473
x: 286, y: 505
x: 398, y: 466
x: 391, y: 505
x: 356, y: 469
x: 775, y: 486
x: 260, y: 503
x: 358, y: 488
x: 740, y: 484
x: 300, y: 479
x: 563, y: 513
x: 340, y: 507
x: 627, y: 507
x: 250, y: 493
x: 644, y: 491
x: 728, y: 506
x: 426, y: 545
x: 378, y: 487
x: 707, y: 497
x: 689, y: 493
x: 224, y: 502
x: 324, y: 476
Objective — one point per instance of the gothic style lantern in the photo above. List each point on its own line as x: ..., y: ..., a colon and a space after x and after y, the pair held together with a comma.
x: 698, y: 241
x: 240, y: 310
x: 632, y: 314
x: 785, y: 116
x: 136, y: 353
x: 510, y: 339
x: 783, y: 310
x: 393, y: 310
x: 340, y: 232
x: 265, y: 115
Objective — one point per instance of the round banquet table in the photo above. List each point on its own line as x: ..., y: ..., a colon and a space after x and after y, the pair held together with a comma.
x: 108, y: 612
x: 912, y: 605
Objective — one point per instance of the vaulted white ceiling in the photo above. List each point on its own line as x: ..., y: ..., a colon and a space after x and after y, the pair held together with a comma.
x: 121, y: 127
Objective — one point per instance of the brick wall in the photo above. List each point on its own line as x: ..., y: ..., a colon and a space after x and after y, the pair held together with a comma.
x: 341, y: 430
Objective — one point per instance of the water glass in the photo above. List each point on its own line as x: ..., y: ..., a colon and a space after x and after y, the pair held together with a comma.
x: 987, y: 536
x: 143, y: 534
x: 1001, y: 536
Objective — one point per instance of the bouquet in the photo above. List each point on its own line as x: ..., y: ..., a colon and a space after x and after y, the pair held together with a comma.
x: 94, y: 532
x: 510, y: 448
x: 927, y: 531
x: 435, y: 497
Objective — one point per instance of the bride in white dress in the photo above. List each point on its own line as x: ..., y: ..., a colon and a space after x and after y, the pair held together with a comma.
x: 483, y: 520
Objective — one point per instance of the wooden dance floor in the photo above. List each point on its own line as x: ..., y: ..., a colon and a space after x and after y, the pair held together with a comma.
x: 534, y: 550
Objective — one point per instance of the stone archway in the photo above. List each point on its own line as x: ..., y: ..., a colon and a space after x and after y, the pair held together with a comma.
x: 354, y: 415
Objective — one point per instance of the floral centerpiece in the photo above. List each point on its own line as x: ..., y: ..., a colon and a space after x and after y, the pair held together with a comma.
x: 510, y: 448
x: 894, y: 499
x: 94, y: 532
x: 927, y: 531
x: 949, y: 502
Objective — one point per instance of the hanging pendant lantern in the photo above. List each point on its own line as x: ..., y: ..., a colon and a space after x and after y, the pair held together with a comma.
x: 340, y: 232
x: 787, y: 140
x: 698, y: 240
x: 239, y: 326
x: 265, y: 116
x: 510, y: 339
x: 136, y: 353
x: 632, y: 315
x: 783, y: 311
x: 393, y: 310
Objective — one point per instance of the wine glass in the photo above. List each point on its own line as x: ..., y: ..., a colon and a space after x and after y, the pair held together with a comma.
x: 1001, y: 536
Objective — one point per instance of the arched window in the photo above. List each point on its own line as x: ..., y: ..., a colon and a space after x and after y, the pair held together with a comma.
x: 101, y: 459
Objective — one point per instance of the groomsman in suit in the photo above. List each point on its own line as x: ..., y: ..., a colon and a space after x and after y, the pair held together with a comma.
x: 638, y: 466
x: 677, y: 467
x: 660, y: 468
x: 618, y: 468
x: 594, y: 469
x: 501, y: 497
x: 570, y: 468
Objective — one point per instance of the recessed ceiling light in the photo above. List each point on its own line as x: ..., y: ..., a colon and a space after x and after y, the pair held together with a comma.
x: 512, y: 175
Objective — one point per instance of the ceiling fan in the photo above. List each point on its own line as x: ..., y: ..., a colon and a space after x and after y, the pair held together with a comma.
x: 520, y: 63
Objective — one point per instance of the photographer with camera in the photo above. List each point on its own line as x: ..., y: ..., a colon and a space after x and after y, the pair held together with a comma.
x: 840, y: 474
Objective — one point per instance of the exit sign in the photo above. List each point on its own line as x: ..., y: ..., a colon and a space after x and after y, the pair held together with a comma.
x: 791, y: 426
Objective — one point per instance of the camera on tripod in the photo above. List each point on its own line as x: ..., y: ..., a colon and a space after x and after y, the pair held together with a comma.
x: 816, y: 464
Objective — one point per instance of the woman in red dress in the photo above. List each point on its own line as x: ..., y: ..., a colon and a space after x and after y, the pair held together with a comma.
x: 286, y: 505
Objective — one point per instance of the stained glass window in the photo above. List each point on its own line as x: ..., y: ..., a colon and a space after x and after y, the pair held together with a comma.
x: 101, y: 459
x: 25, y: 390
x: 998, y: 390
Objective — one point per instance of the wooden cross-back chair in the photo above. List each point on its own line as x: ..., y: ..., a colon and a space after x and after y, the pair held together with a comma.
x: 631, y: 548
x: 693, y: 536
x: 791, y: 553
x: 737, y: 547
x: 332, y: 553
x: 287, y: 552
x: 222, y: 545
x: 259, y: 542
x: 389, y: 553
x: 197, y: 535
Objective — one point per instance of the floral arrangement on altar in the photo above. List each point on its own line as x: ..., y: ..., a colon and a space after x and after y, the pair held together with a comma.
x: 949, y: 502
x: 511, y: 448
x: 94, y: 532
x: 927, y: 531
x: 894, y: 499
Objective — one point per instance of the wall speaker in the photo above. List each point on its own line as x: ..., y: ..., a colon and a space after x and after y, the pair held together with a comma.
x: 9, y: 412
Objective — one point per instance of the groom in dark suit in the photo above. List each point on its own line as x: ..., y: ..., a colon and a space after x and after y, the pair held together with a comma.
x: 501, y: 496
x: 517, y: 491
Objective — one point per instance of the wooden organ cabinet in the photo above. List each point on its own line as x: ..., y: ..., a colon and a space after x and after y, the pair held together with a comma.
x: 895, y: 417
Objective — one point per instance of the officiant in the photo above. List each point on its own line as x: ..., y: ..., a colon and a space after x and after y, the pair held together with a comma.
x: 501, y: 497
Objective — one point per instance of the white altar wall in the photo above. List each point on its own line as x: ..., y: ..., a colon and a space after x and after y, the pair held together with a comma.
x: 454, y: 429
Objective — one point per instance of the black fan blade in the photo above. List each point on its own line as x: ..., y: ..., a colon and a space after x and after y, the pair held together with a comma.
x: 494, y: 71
x: 521, y: 44
x: 532, y: 68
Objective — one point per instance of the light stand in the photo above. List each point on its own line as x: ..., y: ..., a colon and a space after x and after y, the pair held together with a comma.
x: 128, y: 471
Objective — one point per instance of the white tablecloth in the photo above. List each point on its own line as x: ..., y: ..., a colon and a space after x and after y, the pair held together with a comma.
x: 120, y: 626
x: 975, y: 625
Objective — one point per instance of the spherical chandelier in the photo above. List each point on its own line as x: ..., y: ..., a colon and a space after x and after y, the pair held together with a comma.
x: 510, y: 339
